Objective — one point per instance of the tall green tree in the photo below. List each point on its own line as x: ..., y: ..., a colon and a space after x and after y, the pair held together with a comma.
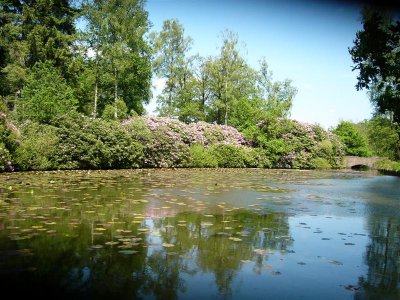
x: 376, y: 57
x: 13, y: 51
x: 172, y: 62
x: 119, y: 63
x: 230, y: 74
x: 277, y: 95
x: 35, y: 31
x: 383, y: 138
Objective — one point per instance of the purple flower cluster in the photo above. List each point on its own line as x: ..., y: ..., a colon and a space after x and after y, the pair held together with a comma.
x: 201, y: 132
x: 166, y: 142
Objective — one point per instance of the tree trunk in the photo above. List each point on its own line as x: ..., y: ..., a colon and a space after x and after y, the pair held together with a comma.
x: 115, y: 84
x: 95, y: 99
x: 96, y: 85
x: 226, y: 104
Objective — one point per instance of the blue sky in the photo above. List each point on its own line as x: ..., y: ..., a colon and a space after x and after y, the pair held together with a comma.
x: 305, y: 41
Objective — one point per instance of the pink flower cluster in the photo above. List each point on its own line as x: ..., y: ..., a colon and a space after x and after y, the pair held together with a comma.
x: 201, y: 132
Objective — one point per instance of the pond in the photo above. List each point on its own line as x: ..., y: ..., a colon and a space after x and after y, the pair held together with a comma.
x: 200, y: 234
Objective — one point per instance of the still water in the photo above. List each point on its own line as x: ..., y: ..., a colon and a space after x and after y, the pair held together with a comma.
x: 200, y: 234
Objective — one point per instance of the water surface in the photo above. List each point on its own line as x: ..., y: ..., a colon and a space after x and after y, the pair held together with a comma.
x: 200, y: 234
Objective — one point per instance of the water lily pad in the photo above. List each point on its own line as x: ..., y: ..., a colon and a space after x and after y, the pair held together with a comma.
x: 110, y: 243
x: 261, y: 251
x: 235, y: 239
x: 127, y: 252
x: 275, y: 273
x: 206, y: 224
x: 167, y: 245
x: 335, y: 262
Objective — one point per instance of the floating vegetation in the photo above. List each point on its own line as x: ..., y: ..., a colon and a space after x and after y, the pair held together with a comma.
x: 153, y: 225
x: 235, y: 239
x: 97, y: 246
x: 127, y: 252
x: 335, y: 262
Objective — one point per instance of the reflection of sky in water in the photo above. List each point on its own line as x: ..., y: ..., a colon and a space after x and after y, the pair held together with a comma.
x: 318, y: 265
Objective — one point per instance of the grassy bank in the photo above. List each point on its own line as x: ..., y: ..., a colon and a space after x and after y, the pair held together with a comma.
x: 388, y: 167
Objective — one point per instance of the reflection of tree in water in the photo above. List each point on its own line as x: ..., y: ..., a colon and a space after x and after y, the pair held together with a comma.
x: 383, y: 259
x: 219, y: 243
x: 382, y: 255
x: 163, y: 275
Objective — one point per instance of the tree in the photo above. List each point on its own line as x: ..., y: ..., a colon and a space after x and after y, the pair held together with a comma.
x: 355, y: 143
x: 13, y: 51
x: 278, y: 96
x: 120, y: 62
x: 172, y: 62
x: 229, y: 73
x: 34, y: 31
x: 376, y: 56
x: 46, y: 94
x: 383, y: 137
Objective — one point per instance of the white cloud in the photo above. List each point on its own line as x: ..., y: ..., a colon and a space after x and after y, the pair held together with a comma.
x: 158, y: 85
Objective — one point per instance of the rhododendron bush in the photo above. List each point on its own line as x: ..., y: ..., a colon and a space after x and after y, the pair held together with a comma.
x: 79, y: 142
x: 293, y: 144
x: 167, y: 141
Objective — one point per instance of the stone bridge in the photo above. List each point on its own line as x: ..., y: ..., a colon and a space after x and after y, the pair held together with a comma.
x: 356, y: 161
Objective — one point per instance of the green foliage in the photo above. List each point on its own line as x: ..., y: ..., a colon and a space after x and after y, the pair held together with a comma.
x: 117, y: 111
x: 171, y: 62
x: 278, y: 96
x: 355, y: 143
x: 383, y: 138
x: 171, y: 143
x: 320, y: 163
x: 162, y: 147
x: 120, y: 67
x: 201, y: 157
x: 8, y: 142
x: 376, y: 57
x: 46, y: 95
x: 38, y: 147
x: 388, y: 165
x: 230, y: 156
x: 257, y: 158
x: 5, y: 159
x: 96, y: 144
x: 31, y: 32
x: 291, y: 144
x: 222, y: 89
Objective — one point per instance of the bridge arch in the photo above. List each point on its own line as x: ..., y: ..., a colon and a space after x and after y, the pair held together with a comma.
x: 357, y: 161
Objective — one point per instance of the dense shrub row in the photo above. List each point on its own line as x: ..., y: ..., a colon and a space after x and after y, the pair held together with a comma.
x: 79, y: 142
